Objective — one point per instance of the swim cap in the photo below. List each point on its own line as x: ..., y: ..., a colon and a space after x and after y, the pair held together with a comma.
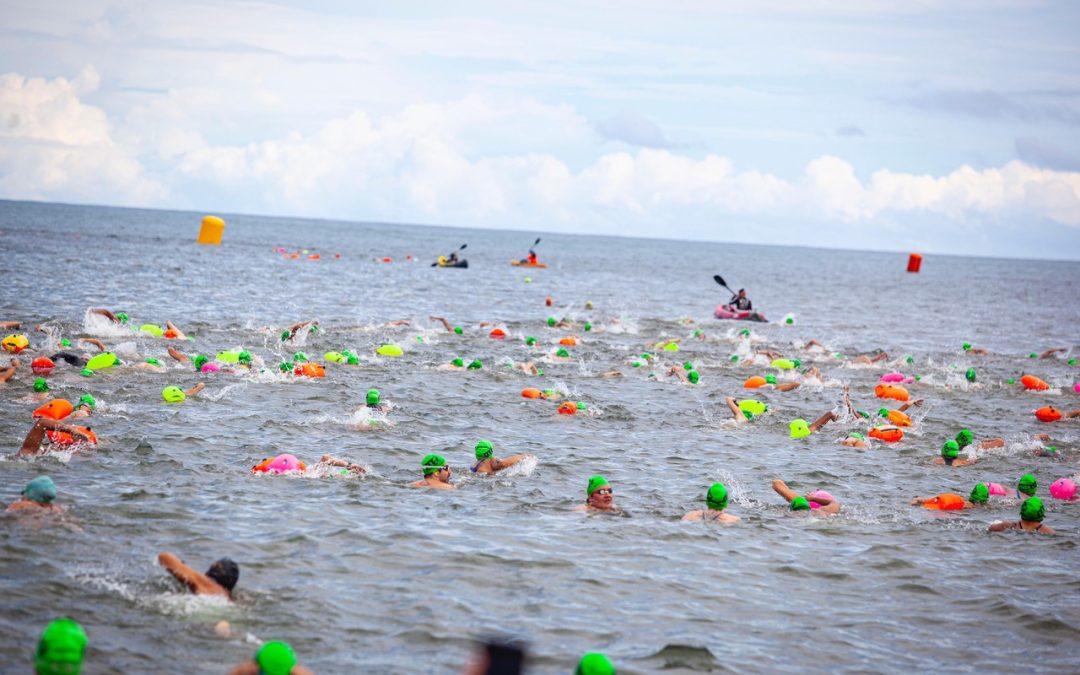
x: 693, y: 376
x: 964, y: 438
x: 373, y: 397
x: 484, y: 449
x: 863, y: 413
x: 86, y: 372
x: 87, y: 400
x: 432, y: 463
x: 457, y: 330
x: 636, y: 364
x: 201, y: 360
x: 122, y: 316
x: 275, y: 658
x: 734, y: 358
x: 40, y: 490
x: 285, y: 335
x: 856, y: 434
x: 688, y: 366
x: 152, y: 361
x: 1032, y: 510
x: 967, y: 346
x: 745, y: 332
x: 61, y: 648
x: 476, y: 364
x: 299, y: 357
x: 41, y: 385
x: 588, y: 326
x: 458, y: 363
x: 64, y: 342
x: 595, y: 483
x: 562, y: 353
x: 1027, y: 484
x: 884, y: 412
x: 286, y: 366
x: 716, y: 498
x: 595, y: 663
x: 909, y: 360
x: 1071, y: 362
x: 173, y: 395
x: 980, y: 494
x: 970, y: 375
x: 1033, y: 355
x: 770, y: 379
x: 800, y: 504
x: 551, y: 321
x: 350, y: 358
x: 797, y: 362
x: 244, y: 357
x: 951, y: 450
x: 530, y: 340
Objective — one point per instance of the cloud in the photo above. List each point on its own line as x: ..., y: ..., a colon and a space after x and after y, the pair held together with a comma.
x: 850, y: 130
x: 1046, y: 154
x: 634, y: 129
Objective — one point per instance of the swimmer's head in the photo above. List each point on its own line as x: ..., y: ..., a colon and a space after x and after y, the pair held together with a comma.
x: 595, y: 483
x: 717, y: 498
x: 980, y: 494
x: 41, y: 385
x: 1027, y: 485
x: 687, y: 365
x: 152, y: 361
x: 201, y: 360
x: 350, y: 358
x: 856, y: 434
x: 433, y: 464
x: 1032, y: 510
x: 770, y: 379
x: 285, y: 335
x: 551, y: 322
x: 299, y: 357
x: 951, y: 450
x: 373, y: 397
x: 800, y: 504
x: 693, y: 376
x: 484, y: 450
x: 595, y: 663
x: 970, y: 375
x: 530, y: 340
x: 225, y: 572
x: 88, y: 401
x: 588, y: 326
x: 476, y: 364
x: 884, y: 412
x: 275, y: 658
x: 457, y: 330
x: 244, y: 357
x: 797, y: 362
x: 286, y: 366
x: 122, y: 317
x: 964, y: 438
x: 40, y: 490
x: 458, y: 363
x: 61, y: 648
x: 966, y: 346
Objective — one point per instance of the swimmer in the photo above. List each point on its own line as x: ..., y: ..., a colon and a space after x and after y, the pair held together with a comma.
x: 974, y: 350
x: 397, y: 322
x: 487, y: 463
x: 611, y: 373
x: 1031, y: 517
x: 1026, y: 486
x: 855, y: 440
x: 599, y: 497
x: 950, y: 455
x: 1050, y: 352
x: 825, y: 504
x: 151, y: 364
x: 84, y: 407
x: 9, y: 372
x: 814, y: 343
x: 220, y: 579
x: 79, y: 360
x: 32, y: 443
x: 871, y: 357
x: 38, y: 495
x: 716, y: 500
x: 290, y: 332
x: 684, y: 375
x: 61, y: 649
x: 740, y: 416
x: 118, y: 318
x: 330, y: 460
x: 374, y: 402
x: 273, y: 658
x: 529, y: 368
x: 948, y: 501
x: 965, y: 438
x: 594, y: 663
x: 444, y: 322
x: 822, y: 421
x: 10, y: 325
x: 436, y: 474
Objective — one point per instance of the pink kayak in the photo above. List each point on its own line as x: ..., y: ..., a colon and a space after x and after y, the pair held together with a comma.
x: 729, y: 312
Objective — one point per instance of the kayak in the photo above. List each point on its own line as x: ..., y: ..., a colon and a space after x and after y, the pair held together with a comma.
x: 519, y: 263
x: 461, y: 263
x: 729, y: 312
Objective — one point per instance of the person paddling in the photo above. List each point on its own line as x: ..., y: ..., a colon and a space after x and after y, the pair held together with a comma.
x: 740, y: 302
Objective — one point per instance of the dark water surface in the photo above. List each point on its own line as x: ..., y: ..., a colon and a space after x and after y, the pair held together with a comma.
x: 368, y: 575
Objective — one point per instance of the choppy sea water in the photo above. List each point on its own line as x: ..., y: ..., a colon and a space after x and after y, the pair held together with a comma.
x: 368, y: 575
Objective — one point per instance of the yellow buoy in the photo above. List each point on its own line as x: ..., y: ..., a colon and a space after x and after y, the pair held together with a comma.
x: 211, y: 231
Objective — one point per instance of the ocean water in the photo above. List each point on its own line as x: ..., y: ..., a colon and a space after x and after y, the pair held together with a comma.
x: 369, y: 575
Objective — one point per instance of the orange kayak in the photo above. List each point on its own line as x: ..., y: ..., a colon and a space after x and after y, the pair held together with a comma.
x: 518, y: 263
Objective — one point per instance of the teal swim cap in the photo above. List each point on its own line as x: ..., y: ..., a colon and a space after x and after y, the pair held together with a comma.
x: 200, y: 361
x: 122, y: 316
x: 562, y: 353
x: 1032, y: 510
x: 286, y: 366
x: 980, y: 494
x: 717, y: 498
x: 693, y: 377
x: 1027, y: 485
x: 595, y: 663
x: 61, y: 648
x: 530, y: 340
x: 285, y: 335
x: 964, y: 438
x: 432, y: 463
x: 476, y: 364
x: 458, y: 362
x: 41, y: 385
x: 244, y: 357
x: 152, y: 361
x: 951, y: 450
x: 484, y: 450
x: 457, y: 330
x: 800, y: 504
x: 299, y: 357
x: 373, y: 397
x: 970, y: 375
x: 275, y: 658
x: 40, y: 490
x: 588, y: 326
x: 551, y: 321
x: 87, y: 400
x: 595, y: 483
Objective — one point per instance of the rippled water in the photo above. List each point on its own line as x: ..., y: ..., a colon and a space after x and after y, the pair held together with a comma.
x: 370, y: 575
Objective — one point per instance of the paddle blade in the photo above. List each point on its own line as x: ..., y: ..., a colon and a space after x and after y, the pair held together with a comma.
x: 719, y: 279
x: 537, y: 241
x: 463, y: 247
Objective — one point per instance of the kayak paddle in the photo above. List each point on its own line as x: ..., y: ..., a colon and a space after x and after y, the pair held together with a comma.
x: 720, y: 280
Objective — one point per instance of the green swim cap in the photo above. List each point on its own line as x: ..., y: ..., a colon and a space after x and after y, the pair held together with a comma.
x: 734, y: 358
x: 693, y: 377
x: 41, y: 490
x: 745, y: 332
x: 458, y: 362
x: 350, y: 358
x: 688, y: 366
x: 373, y: 397
x: 1071, y: 362
x: 797, y: 362
x: 476, y: 364
x: 275, y: 658
x: 800, y: 504
x: 432, y: 463
x: 1032, y: 510
x: 61, y: 648
x: 770, y: 379
x: 970, y: 375
x: 87, y: 400
x: 884, y: 412
x: 1027, y: 484
x: 286, y: 366
x: 647, y: 356
x: 580, y: 405
x: 152, y: 361
x: 980, y: 494
x: 41, y: 385
x: 716, y: 498
x: 562, y: 353
x: 551, y: 321
x: 86, y: 372
x: 588, y: 326
x: 595, y: 483
x: 1033, y: 355
x: 530, y: 340
x: 64, y: 342
x: 200, y: 361
x: 299, y: 357
x: 863, y: 413
x: 967, y: 346
x: 244, y: 357
x: 909, y: 360
x: 122, y: 317
x: 484, y: 449
x: 635, y: 364
x: 1011, y: 380
x: 951, y: 450
x: 285, y: 335
x: 964, y: 438
x: 314, y: 328
x: 595, y: 663
x: 458, y: 330
x: 856, y: 434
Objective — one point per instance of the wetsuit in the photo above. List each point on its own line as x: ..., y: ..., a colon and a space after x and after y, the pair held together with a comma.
x: 72, y: 358
x: 742, y: 304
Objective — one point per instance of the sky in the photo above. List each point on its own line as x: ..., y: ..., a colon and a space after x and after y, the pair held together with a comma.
x: 924, y: 125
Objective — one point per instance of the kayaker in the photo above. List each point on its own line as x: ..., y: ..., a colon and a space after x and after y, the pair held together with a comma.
x: 531, y: 259
x: 740, y: 302
x: 452, y: 258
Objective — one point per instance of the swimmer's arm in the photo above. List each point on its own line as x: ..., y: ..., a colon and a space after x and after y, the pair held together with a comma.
x: 94, y: 341
x: 1074, y: 413
x: 500, y: 464
x: 693, y: 515
x: 178, y: 569
x: 734, y: 408
x: 1050, y: 352
x: 786, y: 386
x: 182, y: 358
x: 179, y: 333
x: 32, y: 442
x: 443, y: 321
x: 916, y: 402
x: 9, y: 372
x: 781, y: 488
x: 919, y: 501
x: 195, y: 390
x: 1046, y: 530
x: 992, y: 443
x: 10, y: 325
x: 1000, y: 526
x: 105, y: 313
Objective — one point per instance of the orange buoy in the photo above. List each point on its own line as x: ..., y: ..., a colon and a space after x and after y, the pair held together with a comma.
x: 56, y: 409
x: 548, y: 301
x: 211, y: 230
x: 42, y: 365
x: 755, y: 382
x: 944, y: 502
x: 388, y: 259
x: 914, y: 262
x: 294, y: 256
x: 529, y: 392
x: 310, y: 369
x: 898, y: 418
x: 567, y: 408
x: 171, y: 334
x: 497, y: 334
x: 568, y: 341
x: 314, y: 256
x: 1032, y: 382
x: 1048, y: 414
x: 64, y: 438
x: 893, y: 391
x: 886, y: 433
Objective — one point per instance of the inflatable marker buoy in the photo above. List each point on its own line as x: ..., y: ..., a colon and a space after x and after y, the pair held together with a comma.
x: 889, y: 434
x: 309, y: 369
x: 283, y: 463
x: 210, y: 367
x: 390, y: 350
x: 1063, y: 489
x: 65, y: 438
x: 945, y: 502
x: 751, y: 408
x: 42, y: 365
x: 532, y: 393
x: 173, y: 395
x: 15, y: 343
x: 106, y: 360
x: 1033, y: 383
x: 799, y: 428
x: 754, y: 382
x: 1048, y: 414
x: 567, y: 408
x: 896, y: 417
x: 893, y: 391
x: 786, y: 364
x: 334, y: 357
x: 671, y: 347
x: 497, y: 334
x: 892, y: 378
x: 568, y: 341
x: 56, y: 409
x: 152, y: 329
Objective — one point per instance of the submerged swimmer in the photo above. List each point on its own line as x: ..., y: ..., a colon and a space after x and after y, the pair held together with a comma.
x: 487, y: 463
x: 290, y: 332
x: 79, y: 360
x: 273, y: 658
x: 220, y: 579
x: 38, y: 496
x: 599, y: 497
x: 950, y: 453
x: 1031, y: 517
x: 716, y: 500
x: 436, y: 473
x: 818, y: 501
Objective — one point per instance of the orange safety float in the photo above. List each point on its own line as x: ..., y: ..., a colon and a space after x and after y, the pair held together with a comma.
x: 889, y: 434
x: 945, y: 502
x: 897, y: 417
x: 529, y: 392
x: 755, y: 382
x: 314, y: 256
x: 64, y: 438
x: 567, y: 408
x: 42, y: 365
x: 1032, y: 382
x: 568, y: 341
x: 56, y: 409
x: 497, y: 334
x: 171, y: 334
x: 310, y: 369
x: 1048, y: 414
x: 388, y: 259
x: 893, y: 391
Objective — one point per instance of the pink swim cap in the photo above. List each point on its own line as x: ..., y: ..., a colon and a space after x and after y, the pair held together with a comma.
x: 892, y: 377
x: 283, y: 463
x: 210, y: 367
x: 1076, y: 387
x: 821, y: 494
x: 996, y: 489
x: 814, y: 505
x: 1063, y: 488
